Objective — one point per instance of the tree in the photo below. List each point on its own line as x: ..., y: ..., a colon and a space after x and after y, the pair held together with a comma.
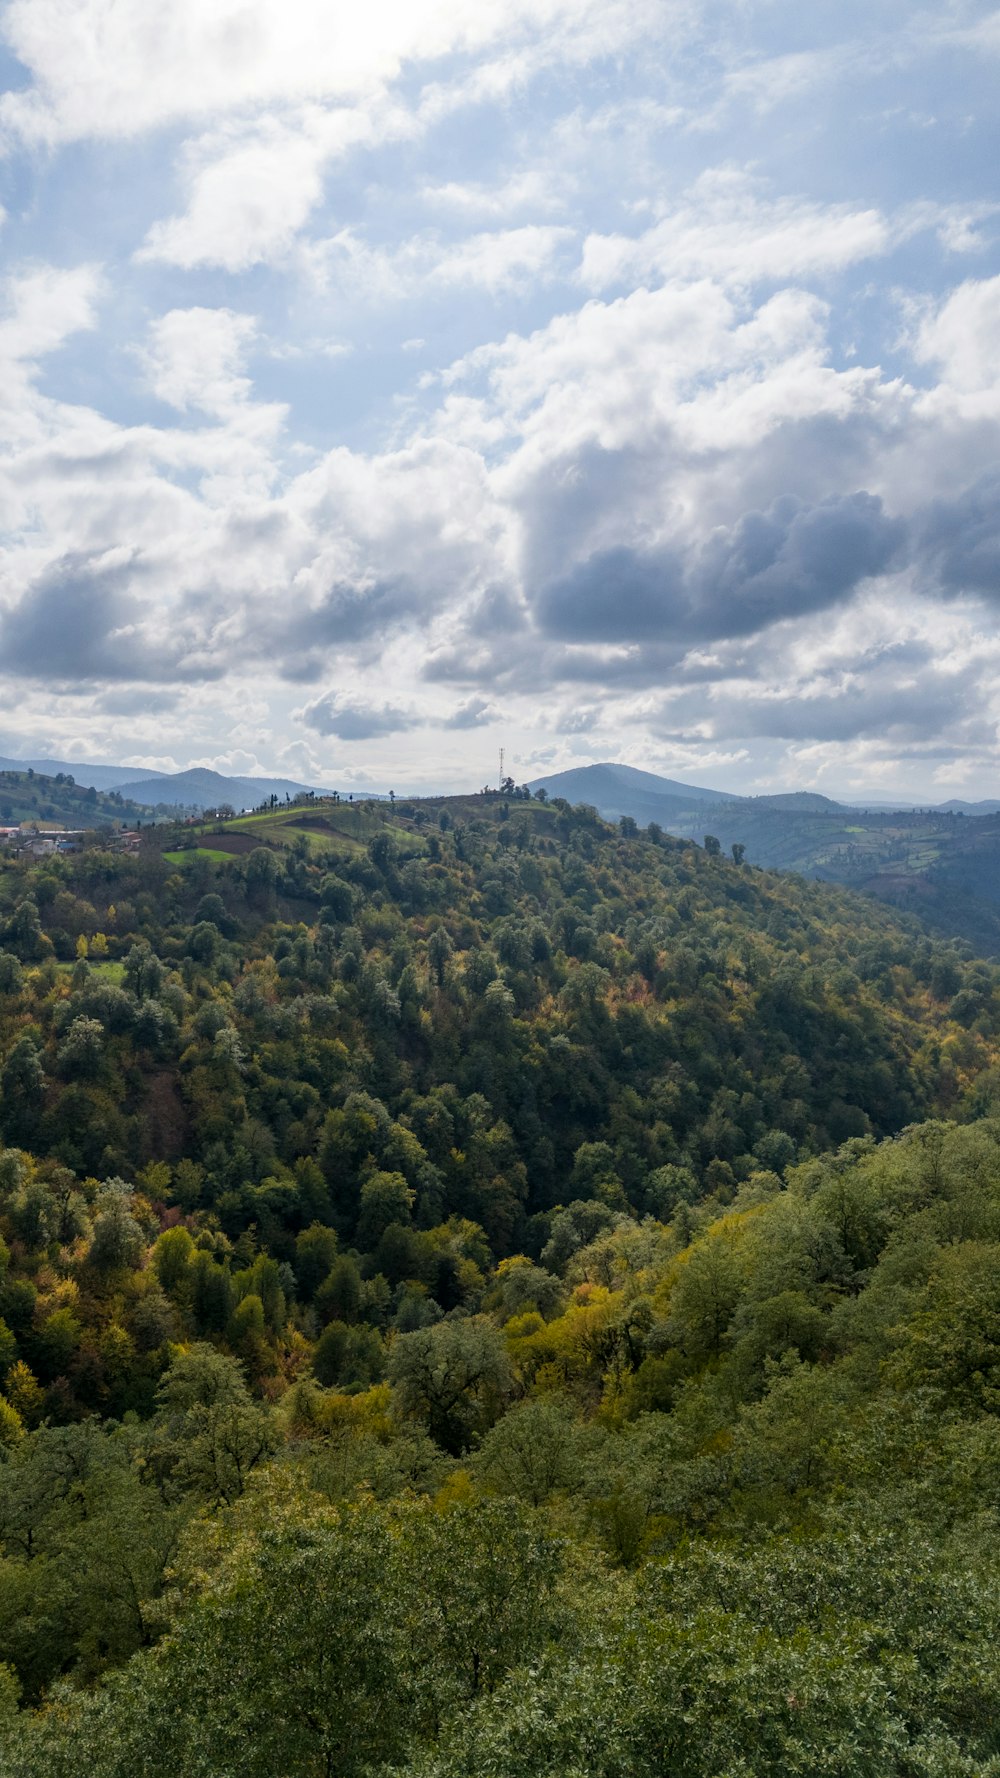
x: 11, y: 974
x: 952, y: 1344
x: 536, y: 1450
x: 22, y: 1091
x: 81, y: 1053
x: 453, y: 1376
x: 25, y: 931
x: 261, y: 871
x: 705, y: 1295
x: 479, y: 1591
x: 117, y: 1240
x: 144, y: 972
x: 348, y: 1357
x: 292, y: 1658
x: 209, y: 1435
x: 385, y: 1199
x: 439, y: 952
x: 172, y: 1259
x: 339, y: 1296
x: 33, y: 1216
x: 315, y: 1252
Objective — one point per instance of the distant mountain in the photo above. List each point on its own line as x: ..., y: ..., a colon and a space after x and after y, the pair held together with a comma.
x: 196, y: 789
x: 95, y: 777
x: 653, y: 785
x: 204, y: 789
x: 616, y: 790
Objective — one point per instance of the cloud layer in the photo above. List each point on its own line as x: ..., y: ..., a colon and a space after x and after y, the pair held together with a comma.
x: 596, y: 379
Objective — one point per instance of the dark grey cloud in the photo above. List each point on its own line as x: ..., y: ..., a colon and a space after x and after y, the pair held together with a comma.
x: 473, y: 714
x: 349, y: 614
x: 137, y: 701
x: 69, y: 623
x: 868, y: 702
x: 577, y: 720
x: 83, y: 622
x: 571, y: 498
x: 618, y: 595
x: 790, y: 561
x: 959, y: 539
x: 333, y: 715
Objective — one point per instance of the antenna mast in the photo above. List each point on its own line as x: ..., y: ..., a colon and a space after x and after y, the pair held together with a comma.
x: 500, y: 785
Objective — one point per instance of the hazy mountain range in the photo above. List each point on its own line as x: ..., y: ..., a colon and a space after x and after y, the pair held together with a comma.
x: 613, y: 789
x: 616, y: 790
x: 195, y: 789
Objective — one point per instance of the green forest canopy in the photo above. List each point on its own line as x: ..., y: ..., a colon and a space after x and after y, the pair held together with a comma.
x: 517, y: 1298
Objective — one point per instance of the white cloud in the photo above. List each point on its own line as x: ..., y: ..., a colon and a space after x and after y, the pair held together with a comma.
x: 727, y: 229
x: 644, y: 388
x: 245, y: 205
x: 963, y: 337
x: 195, y: 358
x: 980, y: 35
x: 494, y: 261
x: 532, y: 190
x: 126, y: 69
x: 286, y: 88
x: 251, y: 187
x: 236, y: 762
x: 44, y: 306
x: 768, y: 81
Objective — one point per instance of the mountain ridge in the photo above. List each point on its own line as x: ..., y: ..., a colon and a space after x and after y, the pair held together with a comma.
x: 613, y: 789
x: 92, y: 775
x: 197, y: 787
x: 203, y: 788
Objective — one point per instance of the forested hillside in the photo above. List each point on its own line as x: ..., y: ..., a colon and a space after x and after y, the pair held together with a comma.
x: 468, y: 1308
x: 940, y: 864
x: 61, y: 802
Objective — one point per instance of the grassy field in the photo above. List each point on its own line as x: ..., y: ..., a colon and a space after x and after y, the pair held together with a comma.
x: 326, y: 829
x: 322, y: 826
x: 185, y: 856
x: 103, y: 968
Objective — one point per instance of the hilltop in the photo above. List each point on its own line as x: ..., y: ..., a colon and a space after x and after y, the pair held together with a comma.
x: 615, y: 790
x: 634, y: 980
x: 91, y: 776
x: 58, y: 802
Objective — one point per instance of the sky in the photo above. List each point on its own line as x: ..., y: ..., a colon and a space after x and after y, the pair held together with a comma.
x: 384, y: 384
